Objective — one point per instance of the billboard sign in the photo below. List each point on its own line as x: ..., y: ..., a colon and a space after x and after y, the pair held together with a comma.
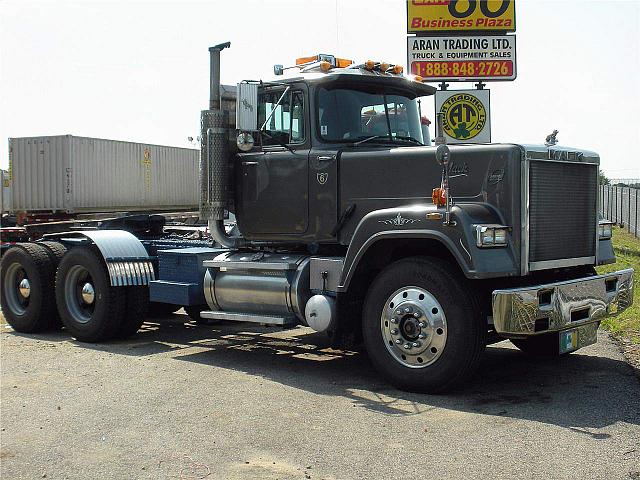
x: 460, y: 16
x: 456, y: 58
x: 466, y: 115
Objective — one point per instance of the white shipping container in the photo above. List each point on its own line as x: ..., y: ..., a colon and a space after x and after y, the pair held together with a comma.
x: 4, y: 191
x: 78, y: 174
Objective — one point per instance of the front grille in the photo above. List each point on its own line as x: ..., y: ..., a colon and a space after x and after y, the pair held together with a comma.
x: 562, y: 210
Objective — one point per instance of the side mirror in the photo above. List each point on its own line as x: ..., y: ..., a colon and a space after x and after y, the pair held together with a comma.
x: 443, y: 155
x: 247, y: 107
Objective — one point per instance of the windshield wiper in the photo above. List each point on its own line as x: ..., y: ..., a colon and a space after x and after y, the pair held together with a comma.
x: 359, y: 142
x: 409, y: 139
x: 386, y: 137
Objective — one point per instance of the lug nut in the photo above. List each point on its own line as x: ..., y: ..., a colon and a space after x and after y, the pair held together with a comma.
x: 394, y: 331
x: 394, y: 320
x: 417, y: 315
x: 416, y: 344
x: 398, y: 312
x: 398, y: 341
x: 407, y: 309
x: 422, y: 324
x: 407, y: 346
x: 422, y: 336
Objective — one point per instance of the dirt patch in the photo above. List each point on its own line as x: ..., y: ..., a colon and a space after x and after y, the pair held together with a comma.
x: 631, y: 352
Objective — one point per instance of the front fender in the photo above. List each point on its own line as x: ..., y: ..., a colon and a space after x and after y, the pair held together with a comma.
x: 459, y: 239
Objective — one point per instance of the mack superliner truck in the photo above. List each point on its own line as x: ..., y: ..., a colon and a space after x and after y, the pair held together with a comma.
x: 347, y: 223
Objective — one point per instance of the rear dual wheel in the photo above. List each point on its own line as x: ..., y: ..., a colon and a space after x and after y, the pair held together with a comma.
x: 27, y: 275
x: 90, y: 308
x: 42, y: 285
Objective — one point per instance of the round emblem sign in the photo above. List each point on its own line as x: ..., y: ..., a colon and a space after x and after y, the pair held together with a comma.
x: 464, y: 116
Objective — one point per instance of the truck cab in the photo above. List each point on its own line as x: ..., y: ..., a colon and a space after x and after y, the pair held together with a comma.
x: 288, y: 185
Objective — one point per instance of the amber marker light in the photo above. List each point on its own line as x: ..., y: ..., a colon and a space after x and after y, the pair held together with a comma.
x: 305, y: 60
x: 369, y: 64
x: 397, y: 69
x: 325, y: 66
x: 343, y: 62
x: 418, y: 78
x: 384, y: 66
x: 439, y: 197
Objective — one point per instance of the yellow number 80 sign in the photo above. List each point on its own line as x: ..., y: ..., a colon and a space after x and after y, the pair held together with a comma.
x: 460, y: 15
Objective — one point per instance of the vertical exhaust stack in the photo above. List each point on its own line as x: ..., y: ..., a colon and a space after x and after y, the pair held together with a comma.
x: 214, y: 155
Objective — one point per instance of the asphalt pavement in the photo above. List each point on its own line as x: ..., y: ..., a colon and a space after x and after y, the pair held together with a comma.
x: 180, y: 401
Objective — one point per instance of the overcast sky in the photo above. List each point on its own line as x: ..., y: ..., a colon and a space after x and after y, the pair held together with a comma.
x: 139, y: 70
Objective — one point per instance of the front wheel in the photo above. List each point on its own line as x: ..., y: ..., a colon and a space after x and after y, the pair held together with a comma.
x: 421, y: 325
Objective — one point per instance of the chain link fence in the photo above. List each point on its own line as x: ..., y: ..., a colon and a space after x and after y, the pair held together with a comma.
x: 619, y: 204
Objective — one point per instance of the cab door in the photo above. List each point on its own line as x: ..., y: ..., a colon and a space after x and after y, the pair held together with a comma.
x: 274, y: 194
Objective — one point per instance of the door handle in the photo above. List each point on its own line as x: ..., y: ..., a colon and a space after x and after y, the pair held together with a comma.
x: 326, y: 158
x: 249, y: 164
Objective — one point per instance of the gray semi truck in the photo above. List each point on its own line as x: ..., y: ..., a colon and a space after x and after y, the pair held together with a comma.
x: 347, y: 223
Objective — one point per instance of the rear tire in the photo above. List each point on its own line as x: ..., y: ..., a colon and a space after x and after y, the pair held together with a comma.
x: 90, y: 308
x: 56, y: 251
x: 136, y: 311
x: 437, y: 339
x: 32, y: 308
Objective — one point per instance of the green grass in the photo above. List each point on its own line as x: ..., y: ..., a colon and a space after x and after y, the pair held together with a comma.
x: 627, y: 249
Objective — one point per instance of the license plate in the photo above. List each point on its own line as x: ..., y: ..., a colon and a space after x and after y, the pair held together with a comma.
x: 578, y: 337
x: 569, y: 340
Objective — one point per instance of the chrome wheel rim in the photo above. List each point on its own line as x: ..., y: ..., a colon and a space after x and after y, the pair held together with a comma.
x: 414, y: 327
x: 17, y: 288
x: 79, y: 293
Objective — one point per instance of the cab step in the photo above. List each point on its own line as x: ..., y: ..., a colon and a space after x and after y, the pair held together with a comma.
x: 249, y: 317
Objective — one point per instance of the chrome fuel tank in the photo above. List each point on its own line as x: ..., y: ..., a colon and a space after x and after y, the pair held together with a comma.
x: 258, y: 283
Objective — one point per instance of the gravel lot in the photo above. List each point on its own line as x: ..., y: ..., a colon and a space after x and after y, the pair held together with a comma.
x: 181, y: 401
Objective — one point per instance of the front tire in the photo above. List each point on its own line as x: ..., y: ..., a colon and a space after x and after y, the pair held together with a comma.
x: 90, y: 308
x: 422, y: 326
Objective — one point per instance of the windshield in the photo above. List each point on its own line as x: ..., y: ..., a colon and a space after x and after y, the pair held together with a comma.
x: 350, y: 115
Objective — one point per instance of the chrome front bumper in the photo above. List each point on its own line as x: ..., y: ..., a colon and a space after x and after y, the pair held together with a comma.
x: 521, y: 312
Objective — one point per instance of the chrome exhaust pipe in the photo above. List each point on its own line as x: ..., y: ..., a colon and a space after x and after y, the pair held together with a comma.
x: 214, y: 157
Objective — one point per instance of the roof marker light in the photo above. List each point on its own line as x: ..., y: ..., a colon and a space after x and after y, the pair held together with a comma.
x: 343, y: 62
x: 384, y: 66
x: 397, y: 69
x: 369, y: 64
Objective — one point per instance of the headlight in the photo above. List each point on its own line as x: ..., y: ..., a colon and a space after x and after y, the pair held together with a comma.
x: 604, y: 230
x: 491, y: 236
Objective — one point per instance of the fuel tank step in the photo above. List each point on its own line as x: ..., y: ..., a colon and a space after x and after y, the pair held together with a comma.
x: 249, y: 317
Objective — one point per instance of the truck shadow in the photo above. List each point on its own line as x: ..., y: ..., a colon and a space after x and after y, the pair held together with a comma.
x: 580, y: 391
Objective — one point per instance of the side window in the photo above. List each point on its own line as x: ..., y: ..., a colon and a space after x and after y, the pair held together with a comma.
x: 286, y: 120
x: 297, y: 118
